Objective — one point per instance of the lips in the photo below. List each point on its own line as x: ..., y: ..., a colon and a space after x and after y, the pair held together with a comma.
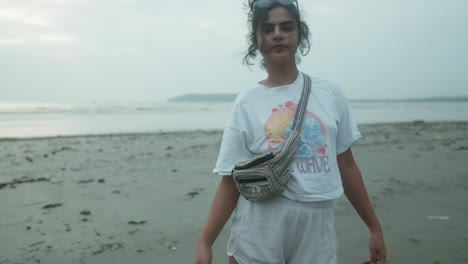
x: 279, y: 46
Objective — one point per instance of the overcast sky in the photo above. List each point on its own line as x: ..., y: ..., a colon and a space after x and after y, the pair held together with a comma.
x: 151, y: 50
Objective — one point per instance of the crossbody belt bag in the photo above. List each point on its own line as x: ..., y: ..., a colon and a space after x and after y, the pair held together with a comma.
x: 267, y: 175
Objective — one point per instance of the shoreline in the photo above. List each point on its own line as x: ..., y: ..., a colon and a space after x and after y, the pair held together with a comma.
x: 117, y: 134
x: 144, y: 197
x: 214, y: 131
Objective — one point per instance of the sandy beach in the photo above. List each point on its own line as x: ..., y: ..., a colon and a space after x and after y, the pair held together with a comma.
x: 143, y: 198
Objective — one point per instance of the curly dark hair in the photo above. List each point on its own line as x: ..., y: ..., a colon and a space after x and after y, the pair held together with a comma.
x: 257, y: 16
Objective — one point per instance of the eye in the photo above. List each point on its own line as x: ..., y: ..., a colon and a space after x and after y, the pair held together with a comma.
x: 267, y: 29
x: 287, y: 27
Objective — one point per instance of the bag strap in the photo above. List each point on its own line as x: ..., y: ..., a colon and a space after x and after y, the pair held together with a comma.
x: 300, y: 112
x: 294, y: 140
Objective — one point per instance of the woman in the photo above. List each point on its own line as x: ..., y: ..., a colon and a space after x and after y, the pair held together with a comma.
x: 298, y: 226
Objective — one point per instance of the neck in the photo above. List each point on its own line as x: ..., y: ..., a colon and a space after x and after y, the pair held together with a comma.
x: 279, y: 75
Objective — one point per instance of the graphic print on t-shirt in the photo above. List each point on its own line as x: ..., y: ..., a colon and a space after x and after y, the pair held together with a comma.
x: 312, y: 154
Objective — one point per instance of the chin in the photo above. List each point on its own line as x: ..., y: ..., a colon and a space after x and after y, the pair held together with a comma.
x: 282, y: 59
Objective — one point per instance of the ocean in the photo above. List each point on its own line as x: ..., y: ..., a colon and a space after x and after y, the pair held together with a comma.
x: 25, y: 120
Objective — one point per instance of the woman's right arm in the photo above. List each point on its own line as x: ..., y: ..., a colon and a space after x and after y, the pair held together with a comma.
x: 223, y: 205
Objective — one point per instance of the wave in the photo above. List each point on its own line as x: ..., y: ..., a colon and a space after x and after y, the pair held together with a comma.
x: 97, y: 108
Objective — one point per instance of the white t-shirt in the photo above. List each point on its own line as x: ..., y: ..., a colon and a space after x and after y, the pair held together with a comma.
x: 260, y: 122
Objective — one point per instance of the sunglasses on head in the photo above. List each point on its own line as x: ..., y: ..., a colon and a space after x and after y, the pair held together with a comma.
x: 267, y: 3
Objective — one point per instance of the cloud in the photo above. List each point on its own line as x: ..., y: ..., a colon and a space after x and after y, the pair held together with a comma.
x: 37, y: 22
x: 326, y: 9
x: 50, y: 38
x: 57, y: 38
x: 55, y: 1
x: 23, y: 17
x: 127, y: 49
x: 207, y: 24
x: 12, y: 41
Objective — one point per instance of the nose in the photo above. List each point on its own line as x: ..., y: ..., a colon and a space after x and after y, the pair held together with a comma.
x: 277, y: 34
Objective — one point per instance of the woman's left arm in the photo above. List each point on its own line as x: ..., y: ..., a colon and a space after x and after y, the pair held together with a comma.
x: 356, y: 193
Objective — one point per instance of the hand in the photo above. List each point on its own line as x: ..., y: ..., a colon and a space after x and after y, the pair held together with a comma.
x: 378, y: 253
x: 204, y: 254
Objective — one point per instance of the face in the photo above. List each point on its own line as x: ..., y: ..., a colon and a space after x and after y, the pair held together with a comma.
x: 277, y: 38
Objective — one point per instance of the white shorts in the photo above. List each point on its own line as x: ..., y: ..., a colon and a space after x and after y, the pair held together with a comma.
x: 280, y: 231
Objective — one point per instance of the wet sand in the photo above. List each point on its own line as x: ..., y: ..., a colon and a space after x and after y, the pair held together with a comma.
x: 143, y: 198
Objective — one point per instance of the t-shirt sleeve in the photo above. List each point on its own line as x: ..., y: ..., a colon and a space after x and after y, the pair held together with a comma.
x: 348, y: 131
x: 233, y: 145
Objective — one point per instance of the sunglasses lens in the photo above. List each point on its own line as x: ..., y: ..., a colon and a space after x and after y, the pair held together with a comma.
x: 266, y: 3
x: 263, y: 3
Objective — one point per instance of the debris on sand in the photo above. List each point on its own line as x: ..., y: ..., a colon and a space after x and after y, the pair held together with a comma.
x: 172, y: 248
x: 85, y: 181
x: 62, y: 149
x: 108, y: 247
x: 50, y: 206
x: 85, y: 212
x: 21, y: 181
x: 136, y: 222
